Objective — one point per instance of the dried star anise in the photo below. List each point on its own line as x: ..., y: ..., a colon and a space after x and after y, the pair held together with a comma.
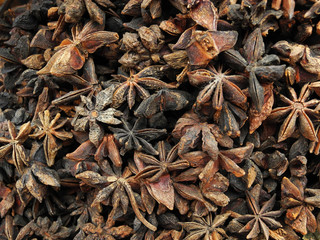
x: 15, y: 145
x: 255, y: 66
x: 71, y: 54
x: 140, y: 54
x: 50, y: 129
x: 73, y: 10
x: 85, y: 210
x: 261, y: 219
x: 297, y: 108
x: 155, y: 168
x: 299, y: 206
x: 13, y: 65
x: 203, y: 46
x: 35, y: 180
x: 206, y: 227
x: 193, y: 132
x: 163, y: 100
x: 116, y: 188
x: 93, y: 113
x: 137, y: 137
x: 106, y: 148
x: 158, y: 120
x: 171, y: 190
x: 219, y: 86
x: 89, y: 80
x: 142, y: 8
x: 134, y: 84
x: 156, y: 172
x: 103, y: 232
x: 33, y: 84
x: 255, y: 14
x: 46, y: 229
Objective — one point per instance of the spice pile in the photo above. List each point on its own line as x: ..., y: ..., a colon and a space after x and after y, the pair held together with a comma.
x: 150, y: 119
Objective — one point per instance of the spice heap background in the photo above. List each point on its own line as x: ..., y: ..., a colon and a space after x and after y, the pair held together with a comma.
x: 150, y: 119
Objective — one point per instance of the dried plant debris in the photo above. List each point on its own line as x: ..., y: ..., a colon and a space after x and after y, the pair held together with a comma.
x: 153, y: 119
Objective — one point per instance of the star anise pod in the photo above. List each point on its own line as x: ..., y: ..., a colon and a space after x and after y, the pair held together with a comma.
x: 115, y: 187
x: 85, y: 211
x: 218, y: 85
x: 142, y: 48
x: 155, y: 168
x: 164, y: 185
x: 50, y: 129
x: 297, y: 108
x: 103, y: 232
x: 206, y: 227
x: 256, y: 67
x: 163, y: 100
x: 231, y: 119
x: 185, y: 191
x: 148, y: 10
x: 35, y: 180
x: 256, y: 14
x: 46, y: 229
x: 261, y: 218
x: 93, y: 113
x: 86, y: 150
x: 33, y: 84
x: 203, y: 46
x: 89, y: 80
x: 136, y: 83
x: 71, y: 54
x: 15, y: 145
x: 13, y: 65
x: 299, y: 206
x: 73, y: 10
x: 287, y: 5
x: 7, y: 199
x: 193, y: 133
x: 306, y: 56
x: 137, y: 137
x: 156, y: 172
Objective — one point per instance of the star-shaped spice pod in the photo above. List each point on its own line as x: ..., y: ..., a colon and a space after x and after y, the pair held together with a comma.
x: 35, y: 180
x: 218, y: 85
x: 162, y: 101
x: 155, y: 168
x: 86, y: 150
x: 74, y: 10
x: 93, y: 113
x: 193, y: 132
x: 13, y: 65
x: 114, y: 185
x: 261, y: 218
x: 256, y: 66
x: 156, y: 171
x: 50, y: 130
x: 45, y: 228
x: 136, y: 83
x: 206, y: 227
x: 72, y: 54
x: 255, y: 14
x: 297, y: 108
x: 203, y: 46
x: 298, y: 205
x: 89, y: 80
x: 15, y: 145
x: 85, y: 211
x: 33, y: 84
x: 103, y: 232
x: 137, y: 137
